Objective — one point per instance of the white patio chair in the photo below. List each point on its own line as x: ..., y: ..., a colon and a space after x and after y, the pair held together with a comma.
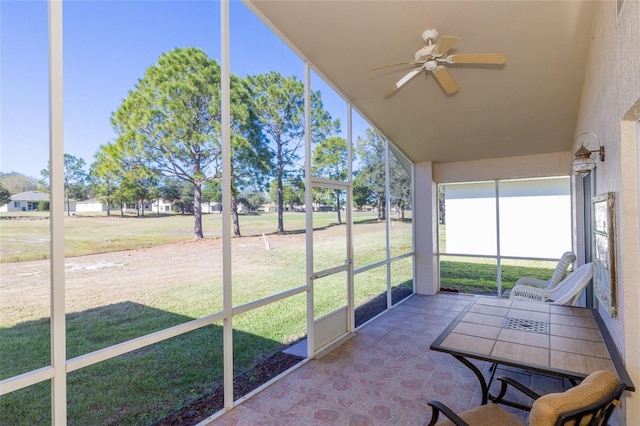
x: 558, y: 274
x: 566, y: 292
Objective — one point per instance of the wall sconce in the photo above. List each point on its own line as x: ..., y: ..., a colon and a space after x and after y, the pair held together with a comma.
x: 583, y: 163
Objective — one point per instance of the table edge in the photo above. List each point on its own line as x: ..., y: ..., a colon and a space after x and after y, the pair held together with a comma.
x: 616, y: 359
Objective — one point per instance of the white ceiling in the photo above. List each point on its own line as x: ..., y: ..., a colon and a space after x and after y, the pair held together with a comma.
x: 528, y: 106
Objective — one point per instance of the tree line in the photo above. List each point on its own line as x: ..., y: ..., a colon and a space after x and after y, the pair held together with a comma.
x: 169, y: 145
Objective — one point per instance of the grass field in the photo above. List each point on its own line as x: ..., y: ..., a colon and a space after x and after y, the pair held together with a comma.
x: 127, y: 277
x: 480, y: 277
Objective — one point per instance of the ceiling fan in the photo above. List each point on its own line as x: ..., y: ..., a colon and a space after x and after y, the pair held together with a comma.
x: 432, y: 57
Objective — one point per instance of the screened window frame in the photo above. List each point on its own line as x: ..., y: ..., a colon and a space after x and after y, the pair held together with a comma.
x: 60, y: 366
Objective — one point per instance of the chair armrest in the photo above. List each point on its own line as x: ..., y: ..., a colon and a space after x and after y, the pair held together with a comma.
x: 437, y: 407
x: 519, y: 386
x: 534, y: 282
x: 505, y: 382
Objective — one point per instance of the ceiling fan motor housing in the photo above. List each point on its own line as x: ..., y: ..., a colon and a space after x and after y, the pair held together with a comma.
x: 429, y: 35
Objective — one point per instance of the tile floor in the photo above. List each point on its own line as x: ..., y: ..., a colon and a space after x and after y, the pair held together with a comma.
x: 383, y: 376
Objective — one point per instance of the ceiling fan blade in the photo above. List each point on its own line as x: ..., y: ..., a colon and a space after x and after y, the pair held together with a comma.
x: 392, y: 65
x: 446, y: 80
x: 478, y: 58
x: 403, y: 80
x: 443, y: 46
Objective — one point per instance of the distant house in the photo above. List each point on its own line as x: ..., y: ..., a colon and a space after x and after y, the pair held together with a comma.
x: 162, y: 206
x: 138, y: 207
x: 268, y: 207
x: 166, y: 206
x: 91, y: 206
x: 25, y: 202
x: 72, y: 205
x: 211, y: 207
x: 367, y: 208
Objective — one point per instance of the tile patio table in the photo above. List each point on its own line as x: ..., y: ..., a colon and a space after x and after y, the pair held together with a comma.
x: 564, y: 341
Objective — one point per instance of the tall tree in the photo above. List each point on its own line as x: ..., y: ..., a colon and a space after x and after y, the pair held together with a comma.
x: 75, y: 179
x: 399, y: 184
x: 170, y: 122
x: 362, y: 193
x: 278, y: 110
x: 185, y: 199
x: 212, y: 191
x: 252, y: 198
x: 330, y: 161
x: 250, y: 155
x: 136, y: 187
x: 292, y: 192
x: 106, y: 175
x: 171, y: 191
x: 371, y: 152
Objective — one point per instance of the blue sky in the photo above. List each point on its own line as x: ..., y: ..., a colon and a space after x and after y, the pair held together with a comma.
x: 107, y: 47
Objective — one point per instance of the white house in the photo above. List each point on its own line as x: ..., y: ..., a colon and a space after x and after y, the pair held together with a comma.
x: 91, y: 206
x: 162, y: 206
x: 213, y: 207
x: 25, y: 202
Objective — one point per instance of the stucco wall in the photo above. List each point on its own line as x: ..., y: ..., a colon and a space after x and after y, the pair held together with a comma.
x: 610, y: 95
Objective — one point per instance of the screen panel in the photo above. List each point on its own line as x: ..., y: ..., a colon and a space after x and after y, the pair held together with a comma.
x: 370, y: 294
x: 267, y: 341
x: 401, y: 279
x: 329, y: 228
x: 142, y: 249
x: 535, y: 217
x: 401, y: 203
x: 158, y: 383
x: 25, y: 285
x: 461, y: 232
x: 268, y: 152
x: 369, y: 194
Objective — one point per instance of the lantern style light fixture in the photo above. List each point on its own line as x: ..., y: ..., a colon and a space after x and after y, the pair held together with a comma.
x: 583, y: 163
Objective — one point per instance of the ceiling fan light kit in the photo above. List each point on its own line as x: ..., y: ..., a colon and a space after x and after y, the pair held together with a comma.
x: 432, y: 56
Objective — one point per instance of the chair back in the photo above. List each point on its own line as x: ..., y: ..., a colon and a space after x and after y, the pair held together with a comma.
x: 590, y: 403
x: 559, y: 273
x: 568, y: 290
x: 561, y: 269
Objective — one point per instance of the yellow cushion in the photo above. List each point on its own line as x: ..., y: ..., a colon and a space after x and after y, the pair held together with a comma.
x: 485, y: 415
x: 597, y: 385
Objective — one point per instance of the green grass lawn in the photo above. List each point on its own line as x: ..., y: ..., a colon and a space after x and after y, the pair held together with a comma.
x: 479, y: 276
x: 28, y: 239
x: 145, y: 385
x: 142, y: 386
